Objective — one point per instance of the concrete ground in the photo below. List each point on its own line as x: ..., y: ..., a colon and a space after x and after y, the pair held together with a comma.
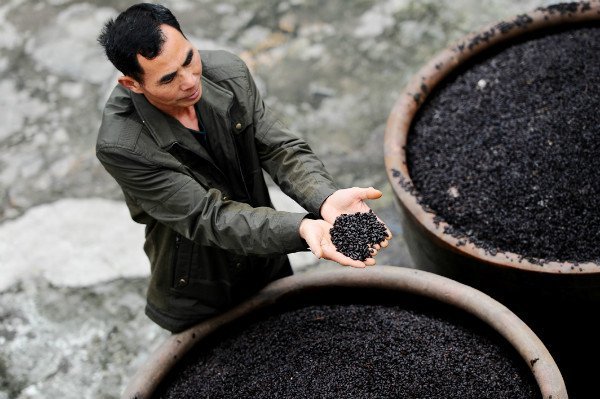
x: 72, y: 271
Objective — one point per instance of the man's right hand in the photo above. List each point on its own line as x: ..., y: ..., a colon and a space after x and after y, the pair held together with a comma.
x: 349, y: 201
x: 316, y: 234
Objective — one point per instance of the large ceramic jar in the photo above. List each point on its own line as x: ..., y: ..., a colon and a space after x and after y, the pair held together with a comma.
x: 557, y: 297
x: 392, y: 286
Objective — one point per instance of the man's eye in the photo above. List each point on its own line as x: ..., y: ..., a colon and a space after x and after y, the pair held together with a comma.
x: 167, y: 78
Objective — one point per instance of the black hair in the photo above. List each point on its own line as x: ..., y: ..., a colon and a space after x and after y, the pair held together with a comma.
x: 136, y: 31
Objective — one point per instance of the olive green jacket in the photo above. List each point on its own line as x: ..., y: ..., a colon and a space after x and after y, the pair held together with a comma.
x: 212, y: 235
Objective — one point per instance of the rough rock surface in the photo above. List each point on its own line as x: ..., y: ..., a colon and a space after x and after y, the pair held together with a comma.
x: 74, y: 328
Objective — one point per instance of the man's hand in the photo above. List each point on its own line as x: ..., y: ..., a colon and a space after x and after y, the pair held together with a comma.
x: 349, y: 201
x: 316, y: 234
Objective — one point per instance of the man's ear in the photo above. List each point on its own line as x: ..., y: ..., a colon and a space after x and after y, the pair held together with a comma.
x: 130, y: 83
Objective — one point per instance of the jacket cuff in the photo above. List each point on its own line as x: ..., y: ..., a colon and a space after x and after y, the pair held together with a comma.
x: 289, y: 232
x: 317, y: 199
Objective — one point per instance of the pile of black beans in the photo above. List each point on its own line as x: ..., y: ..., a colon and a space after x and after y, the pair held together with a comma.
x: 353, y: 351
x: 506, y: 151
x: 354, y: 235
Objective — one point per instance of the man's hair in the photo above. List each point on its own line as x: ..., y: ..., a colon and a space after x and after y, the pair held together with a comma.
x: 136, y: 31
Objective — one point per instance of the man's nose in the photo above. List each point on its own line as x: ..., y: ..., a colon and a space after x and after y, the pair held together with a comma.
x: 188, y: 81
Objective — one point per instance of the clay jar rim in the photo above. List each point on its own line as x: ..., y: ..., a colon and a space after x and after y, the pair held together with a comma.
x: 425, y: 81
x: 526, y: 343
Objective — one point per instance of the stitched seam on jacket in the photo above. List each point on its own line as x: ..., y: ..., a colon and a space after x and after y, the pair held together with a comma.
x: 130, y: 150
x: 113, y: 146
x: 268, y: 129
x: 175, y: 192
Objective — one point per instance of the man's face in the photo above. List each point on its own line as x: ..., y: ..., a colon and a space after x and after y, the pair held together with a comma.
x: 172, y: 79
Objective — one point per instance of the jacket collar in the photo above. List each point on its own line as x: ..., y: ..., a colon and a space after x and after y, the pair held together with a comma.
x: 165, y: 129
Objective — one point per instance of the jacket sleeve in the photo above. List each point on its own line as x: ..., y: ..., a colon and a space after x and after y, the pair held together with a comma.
x: 201, y: 214
x: 288, y: 159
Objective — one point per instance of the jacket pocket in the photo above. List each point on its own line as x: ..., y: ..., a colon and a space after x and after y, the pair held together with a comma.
x: 200, y: 274
x: 182, y: 262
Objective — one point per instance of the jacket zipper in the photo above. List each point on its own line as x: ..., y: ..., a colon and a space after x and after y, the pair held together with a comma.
x: 237, y: 157
x: 181, y: 280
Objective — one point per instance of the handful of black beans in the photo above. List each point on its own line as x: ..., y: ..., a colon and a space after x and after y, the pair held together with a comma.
x: 354, y: 235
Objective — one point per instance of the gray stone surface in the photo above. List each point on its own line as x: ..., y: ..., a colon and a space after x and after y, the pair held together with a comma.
x: 332, y: 69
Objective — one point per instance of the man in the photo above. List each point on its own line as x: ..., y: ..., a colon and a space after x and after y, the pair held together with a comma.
x: 187, y: 136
